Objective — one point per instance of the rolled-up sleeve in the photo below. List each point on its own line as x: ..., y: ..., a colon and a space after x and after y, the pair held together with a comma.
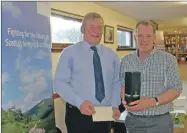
x: 173, y: 75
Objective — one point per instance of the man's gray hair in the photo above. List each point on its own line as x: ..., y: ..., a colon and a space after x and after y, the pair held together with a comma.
x: 145, y: 22
x: 91, y: 15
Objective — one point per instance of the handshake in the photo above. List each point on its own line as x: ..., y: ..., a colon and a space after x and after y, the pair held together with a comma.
x: 87, y: 108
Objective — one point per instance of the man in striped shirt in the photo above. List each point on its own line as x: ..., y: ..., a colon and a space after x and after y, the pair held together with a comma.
x: 160, y: 84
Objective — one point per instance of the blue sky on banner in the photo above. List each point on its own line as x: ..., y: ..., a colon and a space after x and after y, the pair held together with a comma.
x: 26, y: 59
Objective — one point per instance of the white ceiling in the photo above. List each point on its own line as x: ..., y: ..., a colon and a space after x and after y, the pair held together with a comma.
x: 166, y: 14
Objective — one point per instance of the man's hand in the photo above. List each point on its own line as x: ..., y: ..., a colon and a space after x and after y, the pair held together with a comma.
x: 116, y: 113
x: 140, y: 105
x: 87, y: 108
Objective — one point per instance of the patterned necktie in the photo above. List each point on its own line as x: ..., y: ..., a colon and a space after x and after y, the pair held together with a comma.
x: 99, y: 84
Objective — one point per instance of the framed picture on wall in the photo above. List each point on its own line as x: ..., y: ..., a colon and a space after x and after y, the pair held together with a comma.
x: 108, y: 34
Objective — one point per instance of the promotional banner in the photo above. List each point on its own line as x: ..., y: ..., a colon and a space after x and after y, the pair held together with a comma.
x: 27, y: 90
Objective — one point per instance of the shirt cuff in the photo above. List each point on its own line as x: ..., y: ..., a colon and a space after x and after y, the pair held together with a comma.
x: 177, y: 87
x: 116, y: 104
x: 122, y: 85
x: 78, y: 102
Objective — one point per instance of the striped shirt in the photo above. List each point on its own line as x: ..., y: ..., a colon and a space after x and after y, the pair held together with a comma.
x: 159, y: 73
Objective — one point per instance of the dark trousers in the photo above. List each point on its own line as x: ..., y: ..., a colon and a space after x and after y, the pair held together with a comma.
x: 79, y: 123
x: 118, y: 127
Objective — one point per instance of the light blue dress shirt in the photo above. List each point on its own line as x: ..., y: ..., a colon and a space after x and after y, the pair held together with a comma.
x: 74, y: 78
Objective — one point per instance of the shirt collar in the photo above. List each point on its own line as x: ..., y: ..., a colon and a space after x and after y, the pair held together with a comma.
x: 87, y: 46
x: 152, y: 52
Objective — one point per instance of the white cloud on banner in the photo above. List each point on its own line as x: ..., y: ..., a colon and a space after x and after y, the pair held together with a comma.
x: 42, y: 54
x: 5, y: 77
x: 10, y: 7
x: 33, y: 84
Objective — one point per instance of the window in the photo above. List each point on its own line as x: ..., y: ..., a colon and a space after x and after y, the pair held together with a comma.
x: 65, y: 31
x: 125, y: 39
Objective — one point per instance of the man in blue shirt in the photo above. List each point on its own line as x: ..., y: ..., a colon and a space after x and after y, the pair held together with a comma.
x: 87, y: 75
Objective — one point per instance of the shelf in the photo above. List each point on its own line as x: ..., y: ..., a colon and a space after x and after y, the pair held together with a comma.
x: 182, y: 62
x: 179, y: 47
x: 182, y: 44
x: 182, y: 53
x: 169, y: 44
x: 171, y: 53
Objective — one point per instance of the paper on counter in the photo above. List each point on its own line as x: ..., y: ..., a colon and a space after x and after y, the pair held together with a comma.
x: 103, y: 114
x: 122, y: 117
